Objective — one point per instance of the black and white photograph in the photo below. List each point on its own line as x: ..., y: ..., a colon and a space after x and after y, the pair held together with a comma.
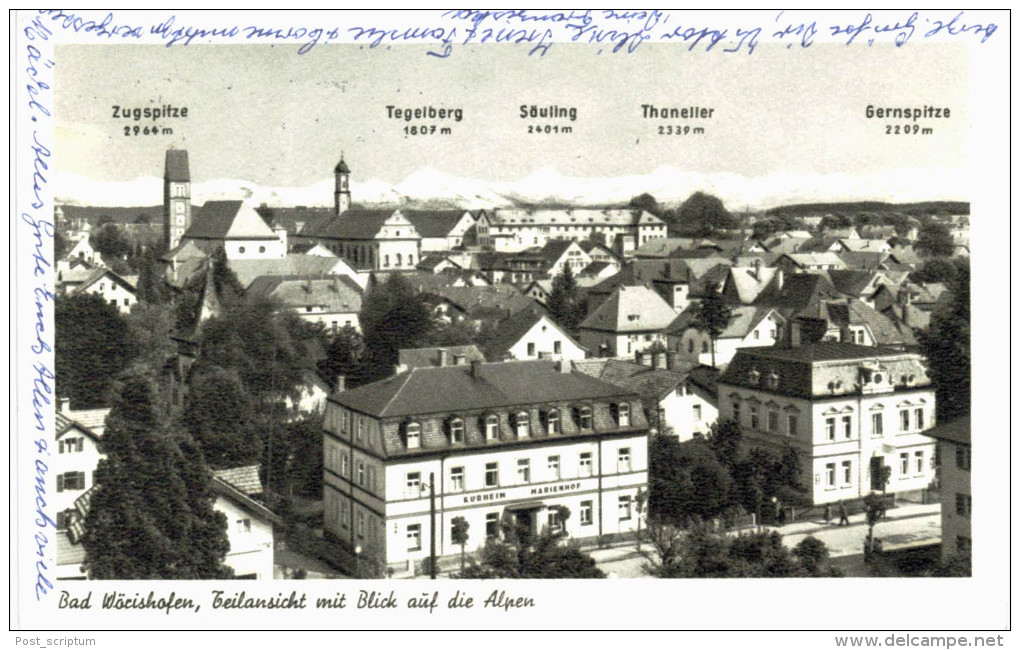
x: 636, y: 304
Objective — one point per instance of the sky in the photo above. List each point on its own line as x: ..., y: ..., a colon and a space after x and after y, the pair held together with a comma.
x: 263, y: 115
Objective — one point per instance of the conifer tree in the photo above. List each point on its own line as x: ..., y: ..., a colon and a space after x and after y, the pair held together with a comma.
x: 151, y: 512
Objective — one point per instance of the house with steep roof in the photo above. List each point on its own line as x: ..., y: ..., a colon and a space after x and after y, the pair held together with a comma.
x: 674, y: 403
x: 799, y: 262
x: 745, y: 285
x: 632, y: 319
x: 507, y: 443
x: 529, y: 336
x: 110, y: 286
x: 237, y: 228
x: 297, y: 264
x: 332, y: 300
x: 853, y: 414
x: 867, y: 245
x: 183, y: 262
x: 749, y: 326
x: 82, y: 250
x: 441, y: 230
x: 438, y: 262
x: 560, y: 254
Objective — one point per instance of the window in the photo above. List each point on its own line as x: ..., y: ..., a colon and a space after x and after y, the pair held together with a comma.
x: 904, y: 464
x: 919, y: 419
x: 491, y: 427
x: 72, y: 445
x: 704, y: 347
x: 127, y: 302
x: 623, y: 415
x: 847, y: 472
x: 876, y: 424
x: 361, y: 524
x: 70, y: 481
x: 585, y: 513
x: 623, y: 460
x: 262, y: 249
x: 554, y: 467
x: 830, y: 475
x: 244, y: 525
x: 523, y: 470
x: 963, y: 504
x: 361, y: 473
x: 904, y: 420
x: 343, y: 464
x: 690, y: 346
x: 557, y: 347
x: 625, y: 508
x: 963, y: 458
x: 919, y: 462
x: 830, y: 428
x: 736, y: 412
x: 696, y: 412
x: 552, y: 421
x: 791, y: 424
x: 456, y: 430
x: 584, y: 417
x: 456, y: 479
x: 754, y: 417
x: 585, y: 464
x: 555, y: 525
x: 755, y: 335
x: 414, y: 537
x: 413, y: 485
x: 847, y: 427
x: 361, y: 429
x: 492, y: 525
x: 413, y: 434
x: 240, y: 249
x: 522, y: 424
x: 491, y: 474
x: 773, y: 421
x: 531, y: 349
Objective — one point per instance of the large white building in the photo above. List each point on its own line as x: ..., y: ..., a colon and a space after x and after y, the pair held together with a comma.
x: 848, y: 410
x: 513, y: 230
x: 503, y: 441
x: 954, y: 485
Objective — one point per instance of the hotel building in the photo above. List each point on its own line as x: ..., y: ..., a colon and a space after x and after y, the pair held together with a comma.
x: 505, y: 442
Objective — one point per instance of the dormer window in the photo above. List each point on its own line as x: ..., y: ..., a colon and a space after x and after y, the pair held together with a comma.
x: 522, y: 424
x: 772, y: 381
x: 456, y: 430
x: 412, y: 435
x: 753, y: 377
x: 622, y: 414
x: 491, y: 427
x: 584, y: 418
x: 552, y: 421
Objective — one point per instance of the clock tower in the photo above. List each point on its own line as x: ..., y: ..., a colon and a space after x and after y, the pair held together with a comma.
x: 342, y: 193
x: 176, y: 197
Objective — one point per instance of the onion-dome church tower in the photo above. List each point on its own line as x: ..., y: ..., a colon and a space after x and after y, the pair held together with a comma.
x: 342, y: 193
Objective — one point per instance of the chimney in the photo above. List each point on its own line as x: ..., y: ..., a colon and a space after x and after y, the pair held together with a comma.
x: 794, y: 334
x: 779, y: 279
x: 341, y: 383
x: 444, y: 357
x: 460, y: 359
x: 63, y: 404
x: 476, y: 367
x: 659, y: 360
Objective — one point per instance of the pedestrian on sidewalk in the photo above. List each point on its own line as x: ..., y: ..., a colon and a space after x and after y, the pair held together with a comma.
x: 828, y: 514
x: 844, y: 519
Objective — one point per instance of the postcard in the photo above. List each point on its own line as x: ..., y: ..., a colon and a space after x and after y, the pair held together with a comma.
x: 511, y: 320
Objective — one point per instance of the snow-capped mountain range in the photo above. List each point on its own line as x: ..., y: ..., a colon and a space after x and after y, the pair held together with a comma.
x: 432, y: 187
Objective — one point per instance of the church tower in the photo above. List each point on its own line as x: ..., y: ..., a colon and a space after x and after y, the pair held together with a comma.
x: 176, y: 197
x: 342, y: 193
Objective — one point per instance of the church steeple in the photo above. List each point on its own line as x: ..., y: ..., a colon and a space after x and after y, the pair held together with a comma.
x: 176, y: 197
x: 342, y: 193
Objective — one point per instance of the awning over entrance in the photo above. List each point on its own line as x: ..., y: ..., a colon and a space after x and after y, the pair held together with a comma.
x: 528, y: 505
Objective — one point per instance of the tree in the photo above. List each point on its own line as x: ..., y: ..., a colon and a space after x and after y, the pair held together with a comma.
x: 297, y: 457
x: 111, y: 241
x: 151, y: 326
x: 812, y: 554
x: 564, y: 300
x: 700, y: 215
x: 937, y: 270
x: 393, y: 316
x: 460, y: 536
x: 151, y: 512
x: 220, y: 416
x: 946, y: 345
x: 544, y: 556
x: 874, y: 510
x: 646, y: 202
x: 60, y: 245
x: 151, y: 286
x: 934, y: 240
x: 93, y: 344
x: 685, y: 482
x: 343, y: 356
x: 712, y: 315
x: 724, y: 438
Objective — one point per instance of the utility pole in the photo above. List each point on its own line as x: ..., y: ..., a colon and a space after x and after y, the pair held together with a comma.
x: 432, y: 525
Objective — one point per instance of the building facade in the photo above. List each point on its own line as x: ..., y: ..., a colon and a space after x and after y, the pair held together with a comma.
x: 502, y: 442
x: 854, y: 414
x: 513, y: 230
x: 953, y: 441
